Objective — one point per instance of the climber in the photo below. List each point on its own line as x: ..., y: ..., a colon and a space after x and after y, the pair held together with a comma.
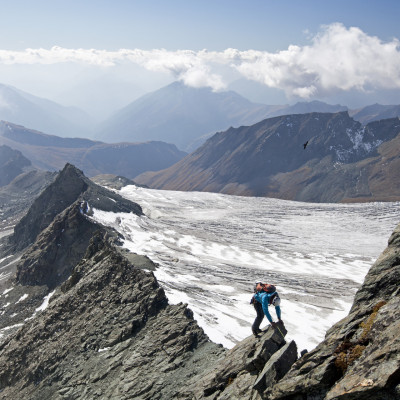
x: 265, y: 295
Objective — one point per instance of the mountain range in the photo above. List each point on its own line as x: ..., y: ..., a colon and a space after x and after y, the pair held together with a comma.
x: 174, y: 114
x: 318, y: 157
x: 83, y: 318
x: 44, y: 115
x: 51, y: 152
x: 181, y: 115
x: 188, y: 116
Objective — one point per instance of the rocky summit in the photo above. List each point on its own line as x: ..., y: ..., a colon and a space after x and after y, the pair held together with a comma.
x: 82, y: 319
x: 70, y: 186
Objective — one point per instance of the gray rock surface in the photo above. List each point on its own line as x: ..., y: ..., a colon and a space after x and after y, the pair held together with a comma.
x: 56, y: 249
x: 108, y: 332
x: 234, y: 375
x: 277, y: 366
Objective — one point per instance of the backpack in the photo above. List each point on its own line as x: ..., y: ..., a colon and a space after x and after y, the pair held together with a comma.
x: 267, y: 287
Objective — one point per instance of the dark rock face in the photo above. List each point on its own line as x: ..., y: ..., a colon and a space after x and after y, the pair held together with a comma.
x: 61, y: 243
x: 69, y: 187
x: 57, y: 249
x: 360, y: 357
x: 277, y: 366
x: 12, y: 164
x: 108, y: 333
x: 343, y: 160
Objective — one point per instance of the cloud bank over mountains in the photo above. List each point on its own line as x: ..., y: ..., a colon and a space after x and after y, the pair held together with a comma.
x: 337, y: 59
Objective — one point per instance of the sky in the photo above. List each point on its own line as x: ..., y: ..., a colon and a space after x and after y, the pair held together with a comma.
x: 100, y: 55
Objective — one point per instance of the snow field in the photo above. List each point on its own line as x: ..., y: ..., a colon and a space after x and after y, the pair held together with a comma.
x: 211, y: 248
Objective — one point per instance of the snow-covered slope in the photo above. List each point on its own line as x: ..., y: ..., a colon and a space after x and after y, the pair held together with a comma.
x: 211, y: 248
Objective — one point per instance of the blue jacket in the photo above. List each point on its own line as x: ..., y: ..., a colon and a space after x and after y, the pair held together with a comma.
x: 263, y: 298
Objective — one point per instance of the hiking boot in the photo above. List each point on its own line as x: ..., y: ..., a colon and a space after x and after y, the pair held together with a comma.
x: 256, y: 333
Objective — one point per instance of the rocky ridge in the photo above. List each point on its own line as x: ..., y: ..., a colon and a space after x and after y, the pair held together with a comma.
x: 49, y: 240
x: 70, y: 186
x: 109, y: 332
x: 343, y: 160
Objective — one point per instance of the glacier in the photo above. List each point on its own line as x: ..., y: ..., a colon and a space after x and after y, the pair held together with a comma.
x: 211, y: 249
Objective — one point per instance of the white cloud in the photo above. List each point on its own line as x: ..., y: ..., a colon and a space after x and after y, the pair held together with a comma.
x: 337, y: 59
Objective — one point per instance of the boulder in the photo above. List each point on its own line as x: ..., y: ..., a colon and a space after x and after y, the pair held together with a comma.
x: 277, y: 366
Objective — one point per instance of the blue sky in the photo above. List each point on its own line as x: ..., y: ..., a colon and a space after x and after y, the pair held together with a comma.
x: 185, y: 24
x: 284, y: 51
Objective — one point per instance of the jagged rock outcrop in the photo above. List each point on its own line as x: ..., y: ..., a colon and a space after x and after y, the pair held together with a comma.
x: 360, y: 356
x: 65, y: 205
x: 62, y: 243
x: 245, y: 370
x: 57, y: 249
x: 69, y: 187
x: 108, y: 333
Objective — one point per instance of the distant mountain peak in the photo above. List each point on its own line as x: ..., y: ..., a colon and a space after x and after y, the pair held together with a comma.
x: 181, y: 115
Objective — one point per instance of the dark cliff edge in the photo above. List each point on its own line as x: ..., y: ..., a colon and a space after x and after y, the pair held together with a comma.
x: 108, y: 331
